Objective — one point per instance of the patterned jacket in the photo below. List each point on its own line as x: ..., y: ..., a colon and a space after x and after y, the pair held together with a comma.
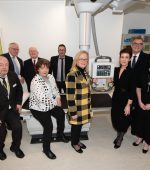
x: 42, y: 94
x: 78, y: 97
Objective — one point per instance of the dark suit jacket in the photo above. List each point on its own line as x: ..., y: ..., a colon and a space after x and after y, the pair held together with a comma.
x: 54, y: 65
x: 29, y: 71
x: 11, y: 66
x: 15, y: 96
x: 141, y: 64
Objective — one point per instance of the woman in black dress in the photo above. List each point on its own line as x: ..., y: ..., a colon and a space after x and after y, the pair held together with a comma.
x: 143, y: 94
x: 122, y: 97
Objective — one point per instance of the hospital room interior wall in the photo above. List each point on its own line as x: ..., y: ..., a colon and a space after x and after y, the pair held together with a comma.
x: 136, y: 21
x: 45, y: 24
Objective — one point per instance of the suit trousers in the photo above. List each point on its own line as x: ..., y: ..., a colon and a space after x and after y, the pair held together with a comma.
x: 75, y: 134
x: 12, y: 119
x: 45, y: 120
x: 61, y: 85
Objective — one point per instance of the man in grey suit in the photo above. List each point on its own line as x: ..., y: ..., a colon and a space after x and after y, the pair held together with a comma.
x: 60, y: 66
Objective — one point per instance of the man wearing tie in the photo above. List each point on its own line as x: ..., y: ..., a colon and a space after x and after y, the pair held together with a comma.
x: 139, y: 62
x: 30, y: 66
x: 10, y: 104
x: 60, y: 66
x: 15, y: 63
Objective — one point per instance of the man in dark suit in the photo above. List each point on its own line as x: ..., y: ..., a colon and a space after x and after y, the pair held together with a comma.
x: 15, y: 63
x: 60, y: 66
x: 138, y: 63
x: 30, y: 66
x: 10, y: 105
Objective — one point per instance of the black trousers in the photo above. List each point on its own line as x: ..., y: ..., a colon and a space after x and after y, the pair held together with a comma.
x: 45, y: 119
x: 12, y: 118
x: 136, y: 122
x: 143, y: 129
x: 75, y: 134
x: 61, y: 85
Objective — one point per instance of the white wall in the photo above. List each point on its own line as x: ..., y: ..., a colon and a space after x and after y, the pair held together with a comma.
x: 45, y: 24
x: 136, y: 20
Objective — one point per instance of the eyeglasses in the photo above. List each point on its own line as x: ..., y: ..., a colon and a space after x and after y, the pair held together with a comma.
x: 137, y: 44
x: 15, y: 49
x: 83, y: 59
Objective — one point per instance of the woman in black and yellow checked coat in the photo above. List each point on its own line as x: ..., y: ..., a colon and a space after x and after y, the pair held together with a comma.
x: 78, y: 98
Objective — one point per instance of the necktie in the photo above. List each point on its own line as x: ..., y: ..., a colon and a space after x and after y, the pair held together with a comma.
x: 34, y: 65
x: 62, y: 70
x: 5, y: 85
x: 133, y: 61
x: 15, y: 66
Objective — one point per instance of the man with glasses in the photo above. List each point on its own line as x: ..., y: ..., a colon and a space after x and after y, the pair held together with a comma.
x: 60, y: 66
x: 139, y: 62
x: 15, y: 63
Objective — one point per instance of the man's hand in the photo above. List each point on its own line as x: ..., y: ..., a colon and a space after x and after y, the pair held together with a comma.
x: 21, y: 80
x: 18, y: 107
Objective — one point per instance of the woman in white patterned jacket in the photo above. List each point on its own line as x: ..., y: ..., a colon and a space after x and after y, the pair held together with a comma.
x: 44, y: 102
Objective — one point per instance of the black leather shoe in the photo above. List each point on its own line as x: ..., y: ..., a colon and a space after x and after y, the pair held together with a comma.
x: 19, y: 153
x: 77, y: 150
x: 82, y: 146
x: 62, y: 138
x: 118, y: 144
x: 2, y: 155
x: 144, y: 151
x: 50, y: 154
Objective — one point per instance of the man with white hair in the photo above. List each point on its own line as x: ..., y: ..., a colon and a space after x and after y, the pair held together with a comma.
x: 15, y: 63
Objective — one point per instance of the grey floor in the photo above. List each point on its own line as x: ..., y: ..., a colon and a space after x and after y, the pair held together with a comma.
x: 100, y: 154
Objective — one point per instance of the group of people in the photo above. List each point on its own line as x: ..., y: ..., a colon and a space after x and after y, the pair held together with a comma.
x: 45, y: 99
x: 131, y: 96
x: 130, y: 100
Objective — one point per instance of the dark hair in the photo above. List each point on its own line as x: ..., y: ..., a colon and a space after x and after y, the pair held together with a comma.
x: 126, y: 50
x: 42, y: 62
x: 62, y: 45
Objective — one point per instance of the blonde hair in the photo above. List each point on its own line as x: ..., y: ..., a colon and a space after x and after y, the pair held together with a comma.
x: 76, y: 59
x: 139, y: 37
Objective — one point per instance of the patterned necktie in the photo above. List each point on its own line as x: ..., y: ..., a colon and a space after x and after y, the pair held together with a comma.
x: 62, y: 77
x: 15, y: 66
x: 5, y: 86
x: 133, y: 61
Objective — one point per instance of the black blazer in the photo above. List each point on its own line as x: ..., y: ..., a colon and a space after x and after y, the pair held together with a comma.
x: 141, y: 64
x: 11, y: 66
x: 54, y: 65
x: 29, y: 71
x: 15, y: 96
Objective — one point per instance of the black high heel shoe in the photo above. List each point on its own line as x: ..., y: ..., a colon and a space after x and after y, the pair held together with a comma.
x: 144, y: 151
x: 77, y: 150
x: 137, y: 144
